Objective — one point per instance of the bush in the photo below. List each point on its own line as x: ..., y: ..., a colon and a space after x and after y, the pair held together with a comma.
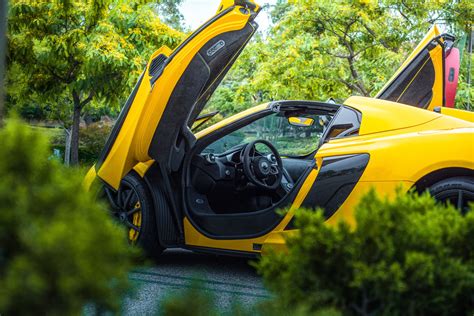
x: 92, y: 141
x: 407, y: 256
x: 59, y: 250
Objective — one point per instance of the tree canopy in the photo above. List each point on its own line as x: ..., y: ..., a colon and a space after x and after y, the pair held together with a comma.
x: 68, y: 58
x: 320, y: 49
x: 169, y: 11
x: 67, y: 54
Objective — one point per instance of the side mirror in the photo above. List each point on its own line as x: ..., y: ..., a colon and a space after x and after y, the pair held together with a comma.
x: 301, y: 121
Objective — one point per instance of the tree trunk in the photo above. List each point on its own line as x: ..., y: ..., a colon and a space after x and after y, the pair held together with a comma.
x: 67, y: 150
x: 76, y: 118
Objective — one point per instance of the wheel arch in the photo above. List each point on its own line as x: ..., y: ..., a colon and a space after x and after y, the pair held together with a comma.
x: 441, y: 174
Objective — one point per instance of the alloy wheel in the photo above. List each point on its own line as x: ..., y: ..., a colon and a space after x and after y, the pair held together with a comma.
x: 459, y: 198
x: 126, y: 208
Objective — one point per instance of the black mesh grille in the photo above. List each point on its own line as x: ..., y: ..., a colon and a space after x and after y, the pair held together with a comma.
x: 157, y: 64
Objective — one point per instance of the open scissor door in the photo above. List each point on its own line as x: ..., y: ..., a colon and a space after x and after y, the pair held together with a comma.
x: 428, y: 73
x: 170, y: 94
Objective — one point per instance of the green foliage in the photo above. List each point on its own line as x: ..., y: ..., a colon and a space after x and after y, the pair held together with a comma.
x: 407, y: 256
x: 169, y: 11
x: 51, y: 133
x: 92, y: 48
x: 32, y: 111
x: 93, y: 138
x: 92, y: 141
x: 72, y: 55
x: 236, y: 93
x: 279, y: 10
x: 3, y: 32
x: 465, y: 92
x: 334, y: 49
x: 59, y: 249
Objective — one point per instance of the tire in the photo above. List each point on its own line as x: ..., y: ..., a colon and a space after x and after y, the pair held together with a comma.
x: 458, y: 191
x: 142, y: 230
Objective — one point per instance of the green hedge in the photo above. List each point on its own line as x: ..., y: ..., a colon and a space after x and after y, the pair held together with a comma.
x: 407, y: 256
x: 59, y: 249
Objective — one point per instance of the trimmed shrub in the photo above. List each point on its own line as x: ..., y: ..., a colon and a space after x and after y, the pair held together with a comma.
x: 59, y: 249
x: 92, y: 141
x: 407, y: 256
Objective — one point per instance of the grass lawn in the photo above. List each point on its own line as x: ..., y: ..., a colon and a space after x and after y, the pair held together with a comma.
x: 50, y: 132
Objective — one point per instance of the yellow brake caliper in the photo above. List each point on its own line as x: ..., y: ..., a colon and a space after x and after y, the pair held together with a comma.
x: 137, y: 221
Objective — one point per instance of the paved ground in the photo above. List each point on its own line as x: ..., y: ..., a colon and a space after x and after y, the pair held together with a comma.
x: 229, y: 278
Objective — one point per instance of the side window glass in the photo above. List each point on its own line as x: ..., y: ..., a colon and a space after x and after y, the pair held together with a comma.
x: 346, y: 123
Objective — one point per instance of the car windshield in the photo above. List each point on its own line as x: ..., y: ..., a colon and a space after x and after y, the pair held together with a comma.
x: 290, y: 140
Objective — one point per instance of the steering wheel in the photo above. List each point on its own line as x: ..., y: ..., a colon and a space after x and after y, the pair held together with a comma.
x: 260, y: 170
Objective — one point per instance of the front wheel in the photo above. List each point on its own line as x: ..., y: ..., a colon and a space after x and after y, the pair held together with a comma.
x: 458, y: 191
x: 132, y: 206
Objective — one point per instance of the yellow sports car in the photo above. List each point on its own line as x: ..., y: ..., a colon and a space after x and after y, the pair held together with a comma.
x: 219, y: 190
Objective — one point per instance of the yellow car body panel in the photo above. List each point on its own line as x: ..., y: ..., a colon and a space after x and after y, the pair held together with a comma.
x: 400, y: 143
x: 90, y: 178
x: 276, y: 240
x: 375, y: 118
x: 415, y: 150
x: 142, y: 167
x: 457, y: 113
x: 438, y: 85
x: 133, y: 140
x: 414, y: 143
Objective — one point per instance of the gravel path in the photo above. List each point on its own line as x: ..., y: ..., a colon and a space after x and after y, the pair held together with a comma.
x: 230, y: 279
